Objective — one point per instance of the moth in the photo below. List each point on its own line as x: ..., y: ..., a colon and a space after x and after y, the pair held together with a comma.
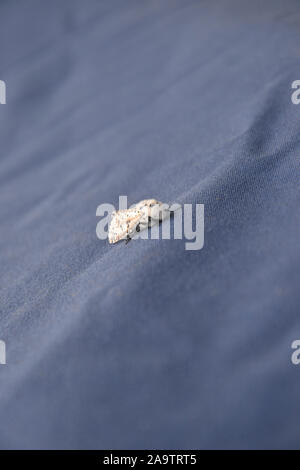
x: 126, y: 223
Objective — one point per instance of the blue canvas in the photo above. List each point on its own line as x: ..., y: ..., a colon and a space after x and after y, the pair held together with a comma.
x: 148, y: 345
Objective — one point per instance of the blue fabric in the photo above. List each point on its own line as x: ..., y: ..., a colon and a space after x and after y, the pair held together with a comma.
x: 149, y: 345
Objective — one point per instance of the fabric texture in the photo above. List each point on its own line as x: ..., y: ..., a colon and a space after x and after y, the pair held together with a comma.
x: 148, y: 345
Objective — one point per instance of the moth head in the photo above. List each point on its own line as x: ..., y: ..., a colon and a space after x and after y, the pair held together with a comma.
x: 158, y: 210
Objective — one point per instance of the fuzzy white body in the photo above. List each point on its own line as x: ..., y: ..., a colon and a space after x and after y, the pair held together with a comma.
x: 126, y: 223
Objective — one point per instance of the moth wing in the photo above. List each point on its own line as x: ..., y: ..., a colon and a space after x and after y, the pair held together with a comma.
x: 123, y: 223
x: 134, y: 220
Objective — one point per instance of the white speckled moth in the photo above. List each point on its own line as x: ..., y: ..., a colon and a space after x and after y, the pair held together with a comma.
x: 126, y: 223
